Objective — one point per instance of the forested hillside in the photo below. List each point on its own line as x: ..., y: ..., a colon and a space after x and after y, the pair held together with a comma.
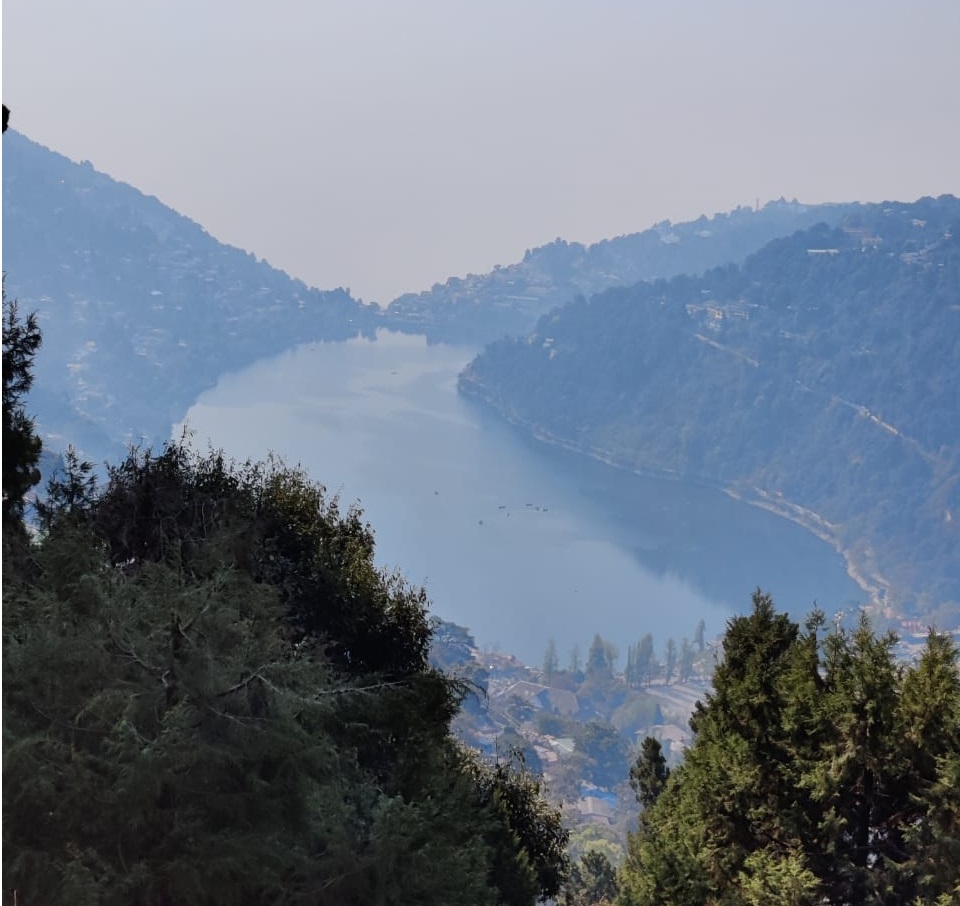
x: 818, y: 378
x: 140, y: 307
x: 508, y: 301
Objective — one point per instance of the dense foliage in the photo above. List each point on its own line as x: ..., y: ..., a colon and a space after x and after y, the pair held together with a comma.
x: 818, y: 379
x: 593, y: 882
x: 823, y: 771
x: 212, y: 695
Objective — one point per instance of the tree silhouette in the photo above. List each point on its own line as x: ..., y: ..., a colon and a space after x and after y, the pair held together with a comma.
x: 21, y: 445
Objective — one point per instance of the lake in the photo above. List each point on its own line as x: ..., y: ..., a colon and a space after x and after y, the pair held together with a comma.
x: 518, y: 541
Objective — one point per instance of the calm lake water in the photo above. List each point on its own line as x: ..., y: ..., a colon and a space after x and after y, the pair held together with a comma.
x: 516, y: 540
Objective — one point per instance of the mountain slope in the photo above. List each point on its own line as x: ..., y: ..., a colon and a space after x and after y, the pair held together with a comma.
x: 141, y: 309
x: 509, y: 300
x: 818, y: 379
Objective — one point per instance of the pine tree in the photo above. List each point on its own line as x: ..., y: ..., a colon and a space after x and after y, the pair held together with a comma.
x: 21, y: 444
x: 598, y: 663
x: 551, y: 661
x: 698, y: 635
x: 71, y: 493
x: 644, y: 660
x: 649, y: 773
x: 929, y: 727
x: 857, y: 776
x: 593, y: 882
x: 163, y: 746
x: 821, y: 772
x: 670, y: 661
x: 687, y: 656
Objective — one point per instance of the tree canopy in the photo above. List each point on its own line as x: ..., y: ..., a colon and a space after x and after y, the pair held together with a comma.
x: 213, y: 695
x: 823, y: 771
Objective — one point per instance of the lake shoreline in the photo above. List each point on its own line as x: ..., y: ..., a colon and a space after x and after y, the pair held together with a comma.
x: 868, y: 580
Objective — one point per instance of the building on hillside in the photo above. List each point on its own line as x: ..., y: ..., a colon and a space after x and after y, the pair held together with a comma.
x: 594, y: 810
x: 547, y: 698
x: 672, y: 737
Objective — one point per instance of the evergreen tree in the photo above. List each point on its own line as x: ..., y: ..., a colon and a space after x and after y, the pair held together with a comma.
x: 821, y: 772
x: 194, y: 713
x: 687, y: 656
x: 630, y: 670
x: 858, y: 775
x: 71, y: 493
x: 641, y: 663
x: 698, y: 635
x: 551, y: 661
x: 612, y: 653
x: 163, y: 747
x: 649, y: 773
x: 670, y: 661
x: 574, y: 664
x: 598, y: 663
x: 528, y: 838
x: 605, y: 752
x: 593, y: 881
x: 21, y: 444
x: 930, y: 727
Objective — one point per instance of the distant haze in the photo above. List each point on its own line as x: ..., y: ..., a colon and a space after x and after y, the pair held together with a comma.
x: 385, y: 146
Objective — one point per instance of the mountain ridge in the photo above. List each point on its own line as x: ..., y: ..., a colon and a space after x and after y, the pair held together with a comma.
x: 126, y: 287
x: 510, y: 299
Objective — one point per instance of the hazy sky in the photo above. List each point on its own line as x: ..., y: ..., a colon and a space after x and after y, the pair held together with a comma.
x: 385, y: 146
